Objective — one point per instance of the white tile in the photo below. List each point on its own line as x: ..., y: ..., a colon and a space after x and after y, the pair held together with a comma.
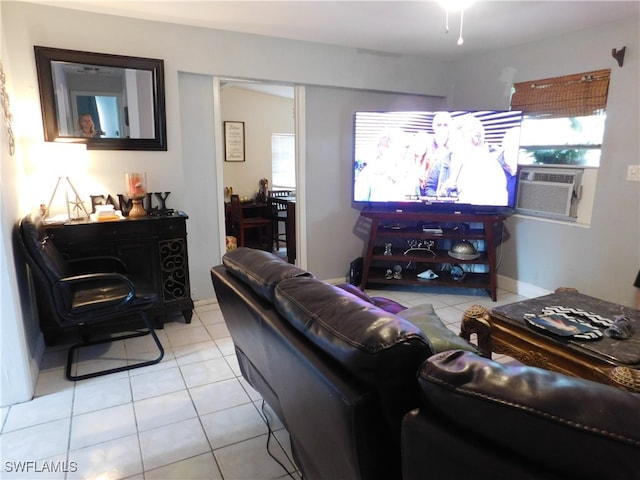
x: 171, y: 443
x: 196, y: 352
x: 97, y: 395
x: 234, y: 465
x: 39, y: 410
x: 212, y: 316
x: 218, y: 330
x: 226, y: 346
x: 167, y: 362
x: 115, y: 459
x: 52, y: 381
x: 34, y: 443
x: 171, y: 327
x: 138, y: 346
x: 163, y: 410
x: 209, y: 371
x: 187, y: 336
x: 449, y: 314
x: 102, y: 378
x: 207, y: 304
x: 218, y: 396
x: 114, y: 350
x: 156, y: 383
x: 102, y: 425
x: 233, y: 425
x: 232, y: 360
x: 95, y: 365
x: 199, y: 467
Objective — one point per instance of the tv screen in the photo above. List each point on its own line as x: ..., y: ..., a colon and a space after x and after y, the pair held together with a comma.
x: 449, y: 160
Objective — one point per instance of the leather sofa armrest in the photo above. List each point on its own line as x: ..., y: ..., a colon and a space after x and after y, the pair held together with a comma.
x: 574, y: 426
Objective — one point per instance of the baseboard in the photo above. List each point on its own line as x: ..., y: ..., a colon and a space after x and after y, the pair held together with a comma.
x: 521, y: 288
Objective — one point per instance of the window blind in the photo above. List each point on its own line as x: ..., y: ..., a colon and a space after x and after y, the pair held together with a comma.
x: 577, y: 95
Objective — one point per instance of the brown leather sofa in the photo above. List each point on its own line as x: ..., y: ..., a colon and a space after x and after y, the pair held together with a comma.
x: 363, y: 396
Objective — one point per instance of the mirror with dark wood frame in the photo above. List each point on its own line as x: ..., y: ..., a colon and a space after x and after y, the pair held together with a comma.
x: 109, y: 102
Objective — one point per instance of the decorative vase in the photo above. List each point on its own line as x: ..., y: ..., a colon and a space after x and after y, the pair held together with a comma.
x: 136, y: 185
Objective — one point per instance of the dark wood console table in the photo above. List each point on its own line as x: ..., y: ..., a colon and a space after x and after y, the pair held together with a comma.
x: 154, y: 247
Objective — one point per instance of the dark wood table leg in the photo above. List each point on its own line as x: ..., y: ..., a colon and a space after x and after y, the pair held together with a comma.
x: 290, y: 232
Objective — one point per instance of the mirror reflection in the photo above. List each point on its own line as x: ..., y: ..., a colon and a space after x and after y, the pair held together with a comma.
x: 106, y: 101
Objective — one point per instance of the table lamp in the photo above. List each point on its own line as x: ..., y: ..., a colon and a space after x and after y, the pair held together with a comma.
x: 64, y: 159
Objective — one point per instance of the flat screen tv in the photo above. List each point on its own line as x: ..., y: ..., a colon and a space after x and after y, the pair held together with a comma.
x: 446, y: 161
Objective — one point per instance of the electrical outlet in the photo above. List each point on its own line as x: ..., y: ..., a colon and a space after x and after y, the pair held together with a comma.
x: 633, y: 173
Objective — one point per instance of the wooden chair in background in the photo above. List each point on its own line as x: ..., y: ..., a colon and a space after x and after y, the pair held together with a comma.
x: 242, y: 224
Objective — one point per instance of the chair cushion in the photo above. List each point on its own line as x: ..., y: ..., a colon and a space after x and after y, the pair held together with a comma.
x: 103, y: 297
x: 261, y: 270
x: 440, y: 336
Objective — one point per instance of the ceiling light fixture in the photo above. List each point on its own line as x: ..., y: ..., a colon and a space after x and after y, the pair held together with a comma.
x: 455, y: 6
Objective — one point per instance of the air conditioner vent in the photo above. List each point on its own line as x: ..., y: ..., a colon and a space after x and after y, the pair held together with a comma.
x: 553, y: 177
x: 549, y: 192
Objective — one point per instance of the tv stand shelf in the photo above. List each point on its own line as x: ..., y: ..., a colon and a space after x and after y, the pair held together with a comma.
x: 398, y: 239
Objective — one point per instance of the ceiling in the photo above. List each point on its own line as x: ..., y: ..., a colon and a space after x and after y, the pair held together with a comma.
x: 385, y: 27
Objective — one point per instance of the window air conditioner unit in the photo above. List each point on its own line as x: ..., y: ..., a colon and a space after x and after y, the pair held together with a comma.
x: 549, y: 192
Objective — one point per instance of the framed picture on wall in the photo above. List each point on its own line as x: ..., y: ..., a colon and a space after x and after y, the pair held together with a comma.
x: 234, y: 141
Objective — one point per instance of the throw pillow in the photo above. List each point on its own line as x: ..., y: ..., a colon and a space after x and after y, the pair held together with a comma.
x: 442, y: 338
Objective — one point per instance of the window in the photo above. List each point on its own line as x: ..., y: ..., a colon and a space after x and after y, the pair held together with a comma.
x: 564, y: 119
x: 283, y: 161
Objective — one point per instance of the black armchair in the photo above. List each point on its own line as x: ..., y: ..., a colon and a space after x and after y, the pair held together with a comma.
x: 87, y: 292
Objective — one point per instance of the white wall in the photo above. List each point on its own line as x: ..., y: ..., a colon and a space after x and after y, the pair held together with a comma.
x: 262, y: 115
x: 603, y: 259
x: 21, y: 342
x: 197, y: 129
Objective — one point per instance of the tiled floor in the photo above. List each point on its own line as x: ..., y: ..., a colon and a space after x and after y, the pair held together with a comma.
x: 190, y: 416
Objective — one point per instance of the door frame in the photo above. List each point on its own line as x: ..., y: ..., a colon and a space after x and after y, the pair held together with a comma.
x: 299, y: 130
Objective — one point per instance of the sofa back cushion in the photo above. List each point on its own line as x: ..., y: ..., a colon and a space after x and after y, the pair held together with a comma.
x: 260, y: 270
x: 581, y: 429
x: 380, y: 350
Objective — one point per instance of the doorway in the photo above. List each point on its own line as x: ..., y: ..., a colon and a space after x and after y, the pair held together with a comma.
x: 267, y: 110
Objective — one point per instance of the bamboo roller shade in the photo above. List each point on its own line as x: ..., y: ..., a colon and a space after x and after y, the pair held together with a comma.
x: 576, y: 95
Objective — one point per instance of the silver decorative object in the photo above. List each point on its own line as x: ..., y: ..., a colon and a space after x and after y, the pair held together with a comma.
x: 420, y: 246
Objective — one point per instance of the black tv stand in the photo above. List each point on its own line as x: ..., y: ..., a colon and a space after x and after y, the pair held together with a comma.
x: 482, y: 229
